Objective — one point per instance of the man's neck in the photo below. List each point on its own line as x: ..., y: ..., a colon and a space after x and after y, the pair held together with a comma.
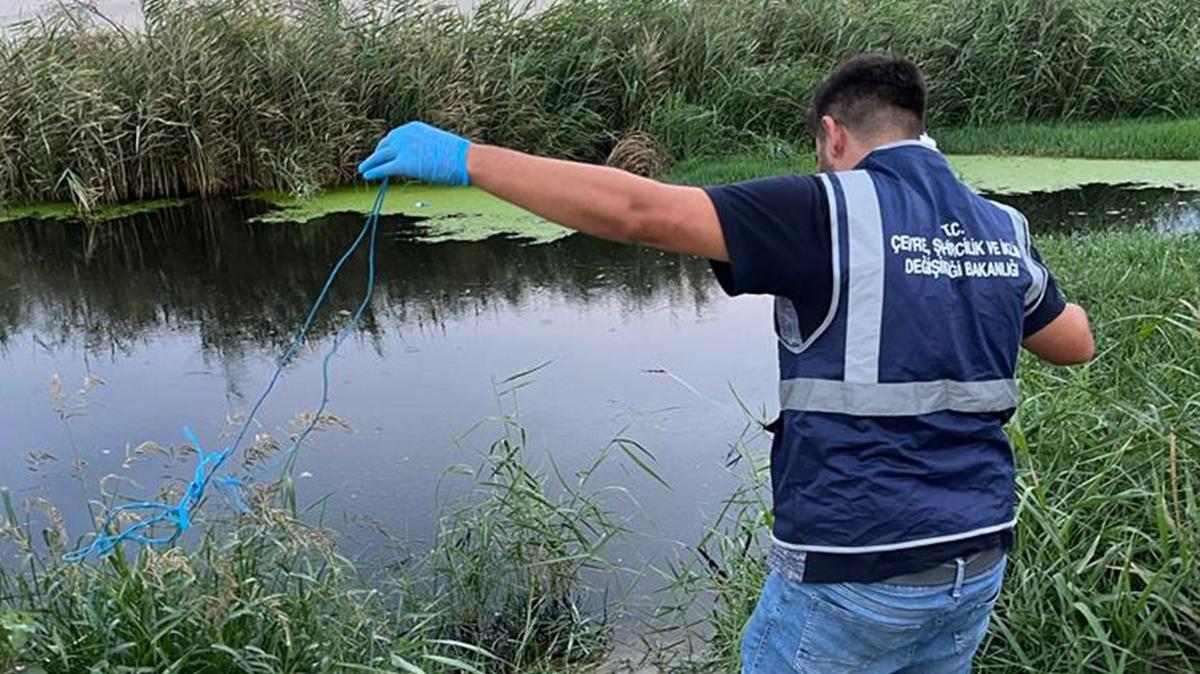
x: 865, y: 146
x: 876, y: 142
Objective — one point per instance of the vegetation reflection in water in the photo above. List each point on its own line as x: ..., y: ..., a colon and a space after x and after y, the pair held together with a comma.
x: 246, y: 285
x: 207, y: 260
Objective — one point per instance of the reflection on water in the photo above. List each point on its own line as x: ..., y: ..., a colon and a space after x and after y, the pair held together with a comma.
x: 203, y: 267
x: 1105, y: 207
x: 182, y: 312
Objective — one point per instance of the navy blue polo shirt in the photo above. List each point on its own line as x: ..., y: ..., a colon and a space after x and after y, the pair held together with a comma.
x: 778, y: 234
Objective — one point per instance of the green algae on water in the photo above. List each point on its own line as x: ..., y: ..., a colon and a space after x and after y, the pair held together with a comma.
x: 449, y: 213
x: 988, y: 173
x: 1021, y: 175
x: 63, y: 211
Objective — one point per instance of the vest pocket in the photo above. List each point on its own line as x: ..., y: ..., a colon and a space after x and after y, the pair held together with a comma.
x: 787, y: 324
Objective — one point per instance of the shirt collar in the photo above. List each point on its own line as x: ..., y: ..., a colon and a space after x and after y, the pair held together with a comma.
x: 904, y: 143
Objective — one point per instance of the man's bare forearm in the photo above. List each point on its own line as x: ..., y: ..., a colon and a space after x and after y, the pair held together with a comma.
x: 596, y: 200
x: 1067, y: 340
x: 600, y: 201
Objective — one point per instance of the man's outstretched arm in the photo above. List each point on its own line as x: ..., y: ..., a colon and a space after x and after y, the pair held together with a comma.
x: 596, y: 200
x: 602, y: 201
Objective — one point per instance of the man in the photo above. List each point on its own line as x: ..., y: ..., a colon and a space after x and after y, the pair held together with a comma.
x: 902, y: 301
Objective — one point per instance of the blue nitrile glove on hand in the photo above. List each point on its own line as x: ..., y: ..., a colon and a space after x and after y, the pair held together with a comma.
x: 421, y: 152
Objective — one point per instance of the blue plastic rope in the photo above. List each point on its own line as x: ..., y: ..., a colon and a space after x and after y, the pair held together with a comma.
x: 178, y: 517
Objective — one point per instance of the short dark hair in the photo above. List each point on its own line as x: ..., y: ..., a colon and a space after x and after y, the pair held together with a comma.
x: 868, y: 91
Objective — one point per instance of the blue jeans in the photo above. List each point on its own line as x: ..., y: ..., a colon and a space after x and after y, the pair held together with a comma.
x: 869, y: 627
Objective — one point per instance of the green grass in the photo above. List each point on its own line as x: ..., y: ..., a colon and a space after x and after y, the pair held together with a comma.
x: 229, y: 96
x: 702, y: 171
x: 994, y: 174
x: 1124, y: 139
x: 1106, y: 573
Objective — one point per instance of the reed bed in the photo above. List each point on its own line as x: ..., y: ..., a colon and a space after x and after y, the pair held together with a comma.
x: 214, y: 96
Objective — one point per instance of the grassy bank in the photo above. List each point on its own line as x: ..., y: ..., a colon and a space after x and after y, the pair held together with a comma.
x: 471, y: 215
x: 1131, y: 139
x: 987, y: 173
x: 1106, y: 573
x: 1159, y: 140
x: 227, y: 95
x: 1122, y: 139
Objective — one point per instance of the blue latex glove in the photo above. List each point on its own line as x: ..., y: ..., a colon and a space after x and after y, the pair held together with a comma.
x: 421, y: 152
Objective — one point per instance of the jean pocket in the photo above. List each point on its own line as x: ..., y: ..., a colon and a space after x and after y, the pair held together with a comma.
x: 992, y: 595
x: 984, y: 599
x: 978, y: 611
x: 842, y: 633
x: 774, y: 628
x: 976, y: 616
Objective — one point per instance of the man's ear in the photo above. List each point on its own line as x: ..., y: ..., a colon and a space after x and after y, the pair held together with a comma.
x: 835, y: 136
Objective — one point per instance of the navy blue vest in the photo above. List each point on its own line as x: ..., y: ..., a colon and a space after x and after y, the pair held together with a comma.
x: 892, y: 411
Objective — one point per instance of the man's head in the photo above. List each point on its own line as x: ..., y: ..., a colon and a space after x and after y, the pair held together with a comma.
x: 868, y: 100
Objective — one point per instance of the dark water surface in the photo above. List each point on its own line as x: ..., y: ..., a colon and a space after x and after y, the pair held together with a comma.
x: 182, y: 312
x: 1105, y: 208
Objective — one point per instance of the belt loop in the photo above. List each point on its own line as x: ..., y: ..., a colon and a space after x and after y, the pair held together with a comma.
x: 959, y: 573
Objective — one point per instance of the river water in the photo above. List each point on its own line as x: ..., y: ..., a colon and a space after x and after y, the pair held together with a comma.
x: 181, y: 313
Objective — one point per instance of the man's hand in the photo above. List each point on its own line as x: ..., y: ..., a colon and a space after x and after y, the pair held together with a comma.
x: 421, y: 152
x: 596, y: 200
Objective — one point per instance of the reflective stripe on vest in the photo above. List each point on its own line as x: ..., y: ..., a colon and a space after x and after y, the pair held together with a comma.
x: 907, y: 399
x: 864, y: 306
x: 1033, y: 295
x: 785, y: 311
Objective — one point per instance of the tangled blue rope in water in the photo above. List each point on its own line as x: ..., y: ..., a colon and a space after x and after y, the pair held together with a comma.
x: 177, y: 518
